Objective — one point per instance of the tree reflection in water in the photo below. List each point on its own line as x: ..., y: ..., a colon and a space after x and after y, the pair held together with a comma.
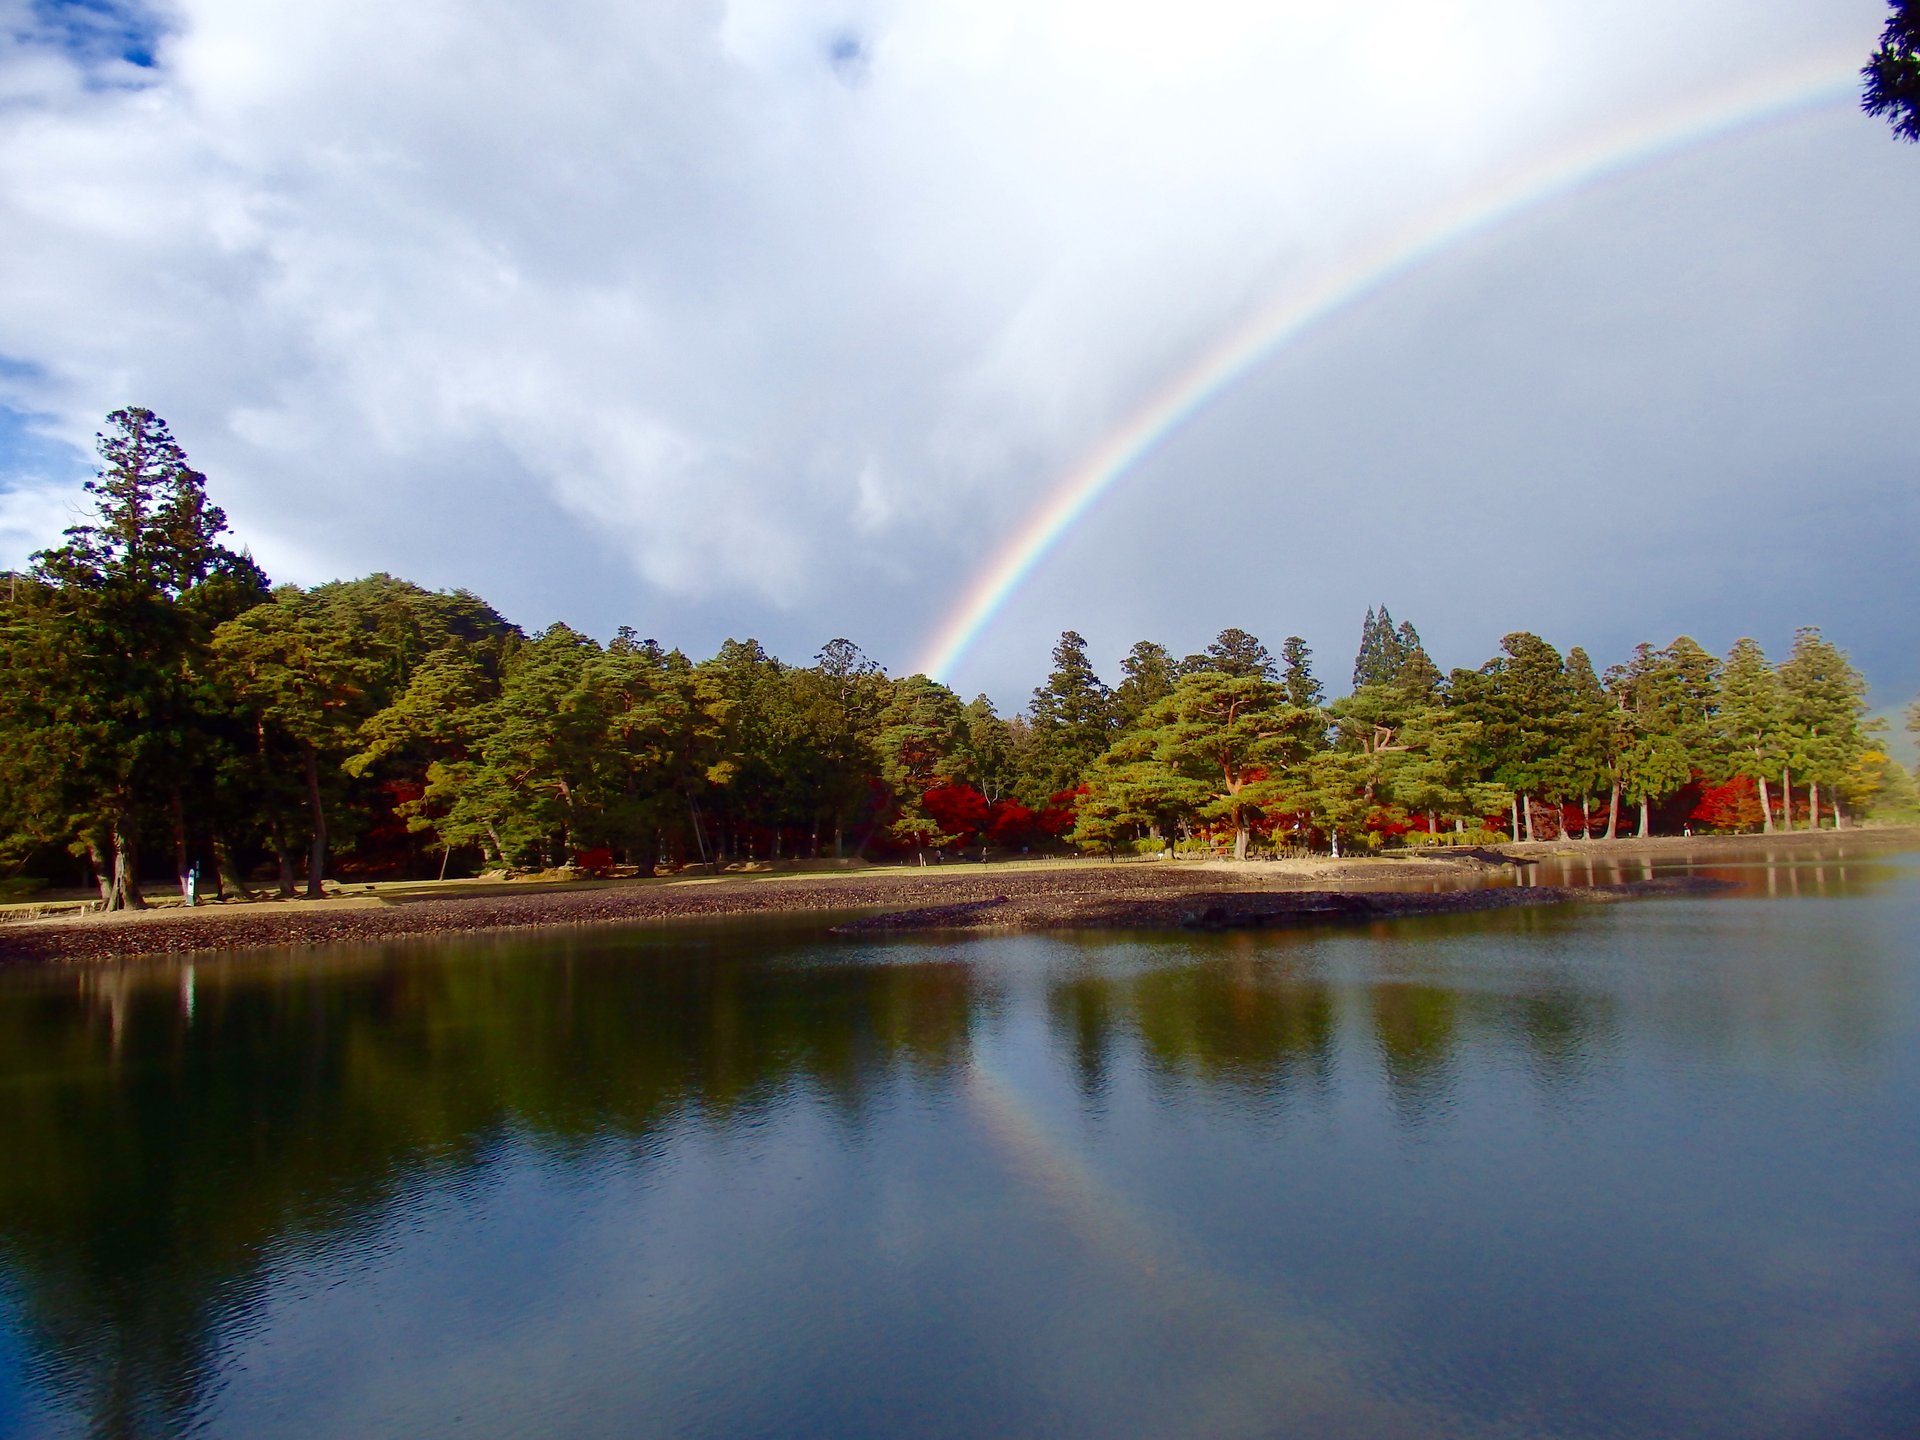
x: 172, y: 1132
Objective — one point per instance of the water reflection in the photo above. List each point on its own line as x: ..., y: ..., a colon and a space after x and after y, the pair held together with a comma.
x: 177, y: 1137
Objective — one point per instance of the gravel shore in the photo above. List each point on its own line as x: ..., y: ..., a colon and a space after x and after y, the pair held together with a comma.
x: 1042, y: 897
x: 1247, y: 910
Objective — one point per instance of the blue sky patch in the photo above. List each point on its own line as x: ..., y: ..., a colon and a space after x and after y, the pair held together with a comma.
x: 95, y: 32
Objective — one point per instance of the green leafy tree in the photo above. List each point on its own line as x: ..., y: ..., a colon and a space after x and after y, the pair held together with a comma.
x: 1752, y: 721
x: 1147, y: 675
x: 1824, y: 701
x: 1072, y: 722
x: 922, y: 745
x: 1229, y: 738
x: 1520, y: 700
x: 1668, y: 701
x: 301, y: 685
x: 1384, y: 649
x: 113, y: 650
x: 1893, y: 74
x: 991, y: 744
x: 838, y: 701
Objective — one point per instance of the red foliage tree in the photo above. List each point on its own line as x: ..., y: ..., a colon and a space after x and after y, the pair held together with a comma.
x: 959, y: 810
x: 1058, y: 817
x: 1732, y: 806
x: 1010, y: 823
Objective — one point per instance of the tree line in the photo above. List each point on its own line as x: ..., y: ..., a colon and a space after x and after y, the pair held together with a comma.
x: 162, y: 702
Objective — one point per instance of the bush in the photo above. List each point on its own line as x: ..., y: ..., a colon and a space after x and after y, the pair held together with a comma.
x: 1477, y: 835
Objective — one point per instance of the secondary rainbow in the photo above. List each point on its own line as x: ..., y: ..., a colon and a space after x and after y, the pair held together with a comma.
x: 1507, y: 194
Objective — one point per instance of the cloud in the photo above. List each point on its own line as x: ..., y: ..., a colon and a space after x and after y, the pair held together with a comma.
x: 770, y: 315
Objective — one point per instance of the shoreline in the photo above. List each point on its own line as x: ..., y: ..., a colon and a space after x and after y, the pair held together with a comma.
x: 1211, y: 910
x: 1024, y: 895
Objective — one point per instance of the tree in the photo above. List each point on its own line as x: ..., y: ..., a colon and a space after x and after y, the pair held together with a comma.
x: 1893, y: 74
x: 129, y: 602
x: 1383, y: 649
x: 1072, y: 720
x: 1752, y: 721
x: 1235, y: 652
x: 1585, y: 762
x: 1219, y: 743
x: 1521, y: 701
x: 1148, y: 673
x: 1666, y: 702
x: 1824, y: 701
x: 923, y: 747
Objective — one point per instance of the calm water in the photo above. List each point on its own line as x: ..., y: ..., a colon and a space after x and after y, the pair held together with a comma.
x: 1640, y: 1170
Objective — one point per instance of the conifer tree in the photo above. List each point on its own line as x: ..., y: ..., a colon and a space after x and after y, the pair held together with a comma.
x: 1072, y: 720
x: 129, y: 603
x: 1148, y: 673
x: 1893, y: 72
x: 1752, y: 721
x: 1824, y: 701
x: 1234, y: 652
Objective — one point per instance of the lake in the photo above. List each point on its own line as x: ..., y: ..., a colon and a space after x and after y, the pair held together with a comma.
x: 1643, y: 1169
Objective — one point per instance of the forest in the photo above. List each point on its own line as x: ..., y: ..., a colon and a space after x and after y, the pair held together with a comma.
x: 166, y: 711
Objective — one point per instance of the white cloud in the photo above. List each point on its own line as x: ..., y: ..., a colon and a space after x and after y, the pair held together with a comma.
x: 741, y: 295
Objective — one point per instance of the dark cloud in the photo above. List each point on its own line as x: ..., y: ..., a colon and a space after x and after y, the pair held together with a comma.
x: 625, y: 314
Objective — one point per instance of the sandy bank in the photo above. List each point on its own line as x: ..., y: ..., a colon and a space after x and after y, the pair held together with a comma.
x: 1244, y: 909
x: 1029, y: 896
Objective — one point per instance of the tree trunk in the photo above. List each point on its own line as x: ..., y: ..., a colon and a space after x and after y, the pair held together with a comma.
x: 1586, y: 817
x: 1839, y: 820
x: 1240, y: 842
x: 1646, y: 817
x: 317, y: 855
x: 102, y: 867
x: 183, y: 866
x: 1527, y: 806
x: 283, y: 853
x: 839, y: 838
x: 1613, y: 811
x: 125, y: 894
x: 699, y: 839
x: 1513, y: 818
x: 1813, y: 804
x: 1766, y: 808
x: 1786, y: 799
x: 226, y: 874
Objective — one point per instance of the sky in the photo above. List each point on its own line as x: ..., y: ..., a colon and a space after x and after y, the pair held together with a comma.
x: 785, y: 318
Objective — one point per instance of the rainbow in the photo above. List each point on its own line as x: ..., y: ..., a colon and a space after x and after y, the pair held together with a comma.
x: 1284, y: 320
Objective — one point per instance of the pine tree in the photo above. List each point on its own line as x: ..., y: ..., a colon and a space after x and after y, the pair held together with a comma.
x: 1072, y: 720
x: 130, y: 601
x: 1148, y: 672
x: 1384, y: 649
x: 1238, y: 654
x: 1824, y: 700
x: 1893, y: 72
x: 1752, y: 721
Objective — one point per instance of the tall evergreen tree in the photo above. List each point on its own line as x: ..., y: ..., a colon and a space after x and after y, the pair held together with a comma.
x: 1236, y: 653
x: 1147, y: 675
x: 130, y: 601
x: 1752, y: 721
x: 1072, y: 720
x: 1824, y: 700
x: 1893, y: 72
